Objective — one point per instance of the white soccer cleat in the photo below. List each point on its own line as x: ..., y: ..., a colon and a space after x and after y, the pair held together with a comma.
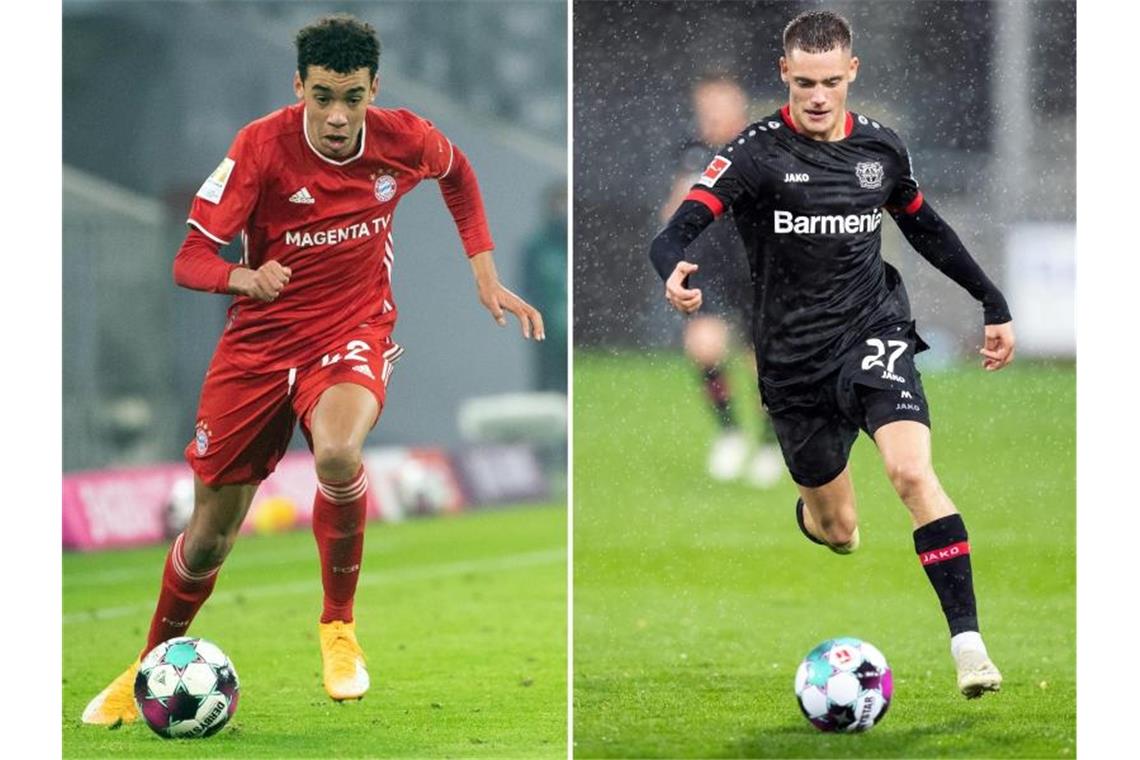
x: 766, y: 467
x: 976, y: 672
x: 728, y: 455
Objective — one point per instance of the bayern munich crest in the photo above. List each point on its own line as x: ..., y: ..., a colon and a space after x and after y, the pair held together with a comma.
x: 870, y: 174
x: 385, y: 188
x: 202, y: 438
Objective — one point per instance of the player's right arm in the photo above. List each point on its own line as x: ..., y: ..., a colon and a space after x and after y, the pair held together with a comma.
x: 220, y: 209
x: 721, y: 184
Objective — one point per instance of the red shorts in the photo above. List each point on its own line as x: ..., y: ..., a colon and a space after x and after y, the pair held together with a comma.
x: 246, y: 419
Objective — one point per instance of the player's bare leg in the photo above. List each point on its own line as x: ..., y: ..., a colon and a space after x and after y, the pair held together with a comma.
x: 339, y: 424
x: 940, y: 540
x: 706, y: 344
x: 827, y: 513
x: 188, y: 578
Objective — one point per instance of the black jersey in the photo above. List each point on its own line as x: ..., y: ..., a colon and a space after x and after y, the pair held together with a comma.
x: 810, y: 214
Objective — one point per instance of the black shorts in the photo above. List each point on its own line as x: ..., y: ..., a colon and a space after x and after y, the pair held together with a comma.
x: 876, y: 383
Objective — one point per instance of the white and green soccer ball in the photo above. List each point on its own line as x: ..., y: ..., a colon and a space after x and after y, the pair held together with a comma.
x: 844, y: 685
x: 186, y: 688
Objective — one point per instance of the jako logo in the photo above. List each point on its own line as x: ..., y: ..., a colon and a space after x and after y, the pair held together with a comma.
x: 796, y: 177
x: 945, y: 553
x: 786, y: 221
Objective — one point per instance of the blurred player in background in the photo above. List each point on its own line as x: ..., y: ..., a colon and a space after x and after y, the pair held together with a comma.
x: 311, y: 189
x: 832, y: 325
x: 544, y: 281
x: 721, y: 110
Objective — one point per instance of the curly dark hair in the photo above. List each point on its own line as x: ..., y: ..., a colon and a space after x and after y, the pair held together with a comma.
x: 817, y: 32
x: 340, y: 43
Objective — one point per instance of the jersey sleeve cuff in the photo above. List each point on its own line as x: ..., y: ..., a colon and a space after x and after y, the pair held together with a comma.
x: 996, y: 310
x: 913, y: 207
x: 198, y: 226
x: 710, y: 201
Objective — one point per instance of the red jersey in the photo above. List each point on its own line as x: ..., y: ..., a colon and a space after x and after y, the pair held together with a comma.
x: 329, y: 221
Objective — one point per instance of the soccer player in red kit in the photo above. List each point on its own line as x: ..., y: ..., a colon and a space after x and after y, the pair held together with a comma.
x: 311, y: 190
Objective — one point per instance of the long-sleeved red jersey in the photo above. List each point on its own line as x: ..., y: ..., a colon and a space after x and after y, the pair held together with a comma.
x: 329, y: 221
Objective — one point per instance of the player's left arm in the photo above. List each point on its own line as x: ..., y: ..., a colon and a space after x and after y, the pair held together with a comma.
x: 937, y: 242
x: 460, y: 190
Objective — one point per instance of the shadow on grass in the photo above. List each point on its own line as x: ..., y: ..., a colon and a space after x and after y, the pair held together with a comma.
x: 957, y: 737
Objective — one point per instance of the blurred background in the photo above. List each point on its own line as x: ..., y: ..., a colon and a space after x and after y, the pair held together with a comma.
x: 983, y: 93
x: 153, y: 94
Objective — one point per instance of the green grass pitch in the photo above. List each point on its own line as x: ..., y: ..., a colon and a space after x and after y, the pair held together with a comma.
x: 695, y: 601
x: 463, y: 620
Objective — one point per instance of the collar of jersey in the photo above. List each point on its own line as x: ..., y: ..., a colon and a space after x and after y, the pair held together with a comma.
x: 323, y: 157
x: 786, y: 115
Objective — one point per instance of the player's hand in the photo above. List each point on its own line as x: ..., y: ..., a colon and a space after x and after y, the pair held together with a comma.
x: 497, y: 299
x: 264, y: 283
x: 683, y: 299
x: 998, y: 350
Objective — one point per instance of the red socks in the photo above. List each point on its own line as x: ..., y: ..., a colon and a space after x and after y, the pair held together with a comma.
x: 183, y: 593
x: 339, y: 512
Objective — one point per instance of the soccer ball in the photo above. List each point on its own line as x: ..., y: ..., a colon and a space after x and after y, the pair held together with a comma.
x: 186, y: 688
x: 844, y: 684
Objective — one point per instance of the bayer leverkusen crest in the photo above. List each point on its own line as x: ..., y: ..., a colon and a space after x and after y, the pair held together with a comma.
x: 870, y: 174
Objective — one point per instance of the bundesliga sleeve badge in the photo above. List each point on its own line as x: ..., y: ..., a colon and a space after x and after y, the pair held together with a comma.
x: 718, y: 166
x: 212, y: 189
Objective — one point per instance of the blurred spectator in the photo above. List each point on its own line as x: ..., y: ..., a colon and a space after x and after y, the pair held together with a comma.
x: 544, y: 285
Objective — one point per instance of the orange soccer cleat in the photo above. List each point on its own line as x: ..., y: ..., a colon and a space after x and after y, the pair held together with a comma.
x: 116, y: 703
x: 345, y: 674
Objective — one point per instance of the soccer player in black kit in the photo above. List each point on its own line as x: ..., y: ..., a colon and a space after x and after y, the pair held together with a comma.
x: 834, y: 338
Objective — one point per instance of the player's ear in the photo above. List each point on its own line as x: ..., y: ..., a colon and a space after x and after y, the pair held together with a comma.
x: 298, y: 85
x: 375, y: 88
x: 783, y: 69
x: 854, y: 70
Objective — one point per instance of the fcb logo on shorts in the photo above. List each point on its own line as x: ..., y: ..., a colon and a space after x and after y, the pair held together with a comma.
x: 385, y: 188
x: 870, y: 174
x: 202, y: 438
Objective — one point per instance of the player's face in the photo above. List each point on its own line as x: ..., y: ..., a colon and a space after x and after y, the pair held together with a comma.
x: 722, y: 111
x: 817, y: 90
x: 335, y: 105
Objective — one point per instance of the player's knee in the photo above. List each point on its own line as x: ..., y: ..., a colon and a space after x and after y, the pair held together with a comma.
x: 204, y: 551
x: 336, y: 461
x: 910, y: 477
x: 838, y: 529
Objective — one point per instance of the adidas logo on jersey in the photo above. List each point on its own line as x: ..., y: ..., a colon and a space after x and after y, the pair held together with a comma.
x: 796, y: 177
x: 363, y: 369
x: 302, y: 196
